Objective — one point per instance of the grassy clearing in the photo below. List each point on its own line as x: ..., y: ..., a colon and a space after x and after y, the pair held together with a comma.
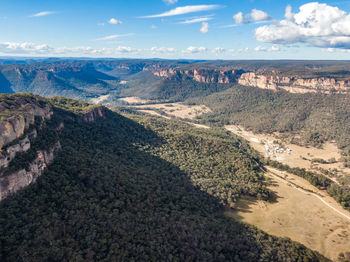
x: 300, y: 156
x: 179, y: 110
x: 298, y: 215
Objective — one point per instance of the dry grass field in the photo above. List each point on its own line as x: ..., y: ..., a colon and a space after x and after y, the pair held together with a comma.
x: 179, y: 110
x: 321, y: 225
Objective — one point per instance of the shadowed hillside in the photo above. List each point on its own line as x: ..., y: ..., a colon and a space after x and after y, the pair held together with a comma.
x: 110, y: 194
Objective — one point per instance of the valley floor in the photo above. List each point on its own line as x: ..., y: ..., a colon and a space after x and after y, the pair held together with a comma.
x: 313, y: 219
x: 301, y: 211
x: 295, y: 155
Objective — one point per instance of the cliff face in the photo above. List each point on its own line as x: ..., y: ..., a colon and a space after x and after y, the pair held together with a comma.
x: 23, y: 145
x: 16, y: 115
x: 222, y: 76
x: 93, y: 114
x: 294, y: 84
x: 270, y: 80
x: 24, y: 177
x: 17, y: 133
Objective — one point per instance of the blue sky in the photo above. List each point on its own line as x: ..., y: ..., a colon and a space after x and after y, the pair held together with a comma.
x: 201, y: 29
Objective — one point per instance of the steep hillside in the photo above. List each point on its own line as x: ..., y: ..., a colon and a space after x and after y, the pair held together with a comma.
x: 133, y: 189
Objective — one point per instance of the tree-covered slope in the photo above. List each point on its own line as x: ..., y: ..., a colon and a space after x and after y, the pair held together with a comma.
x: 134, y: 190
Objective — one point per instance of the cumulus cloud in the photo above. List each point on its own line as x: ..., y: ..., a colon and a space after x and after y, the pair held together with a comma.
x: 185, y: 10
x: 114, y: 21
x: 258, y: 15
x: 194, y: 50
x: 27, y: 48
x: 170, y: 2
x: 43, y: 13
x: 23, y: 48
x: 111, y: 37
x: 163, y: 50
x: 204, y: 28
x: 260, y: 49
x: 239, y: 19
x: 196, y: 20
x: 273, y: 48
x: 317, y: 24
x: 255, y: 16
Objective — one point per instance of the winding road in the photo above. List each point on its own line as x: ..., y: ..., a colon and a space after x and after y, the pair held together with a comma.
x: 271, y: 172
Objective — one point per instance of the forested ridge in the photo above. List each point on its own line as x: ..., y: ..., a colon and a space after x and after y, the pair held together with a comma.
x: 126, y: 189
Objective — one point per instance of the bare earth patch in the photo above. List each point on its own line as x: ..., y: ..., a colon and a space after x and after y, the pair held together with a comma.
x: 313, y: 219
x: 134, y: 100
x: 99, y: 99
x: 179, y: 110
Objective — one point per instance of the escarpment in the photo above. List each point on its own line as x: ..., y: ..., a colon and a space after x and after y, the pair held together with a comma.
x: 294, y: 84
x: 30, y: 137
x: 265, y: 80
x: 201, y: 75
x: 17, y: 113
x: 16, y: 180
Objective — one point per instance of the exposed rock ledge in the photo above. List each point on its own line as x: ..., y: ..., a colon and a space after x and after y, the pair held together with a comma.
x: 294, y: 84
x: 18, y: 116
x: 6, y: 156
x: 15, y: 181
x: 93, y: 114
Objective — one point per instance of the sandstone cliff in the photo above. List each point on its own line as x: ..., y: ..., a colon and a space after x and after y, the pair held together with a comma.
x: 13, y: 182
x: 17, y: 134
x: 266, y: 80
x: 17, y: 114
x: 93, y: 114
x: 294, y: 84
x: 205, y: 75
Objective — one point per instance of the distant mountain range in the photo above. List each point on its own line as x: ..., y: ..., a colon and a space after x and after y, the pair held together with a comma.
x: 162, y: 79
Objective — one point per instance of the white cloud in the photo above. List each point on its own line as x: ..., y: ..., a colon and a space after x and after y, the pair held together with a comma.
x: 27, y: 48
x: 273, y: 48
x: 288, y: 13
x: 258, y: 15
x: 239, y: 19
x: 185, y: 10
x: 219, y: 50
x: 43, y: 13
x: 111, y: 37
x: 196, y: 20
x: 260, y: 49
x: 194, y: 50
x: 114, y: 21
x: 153, y: 27
x: 163, y: 50
x: 170, y: 2
x: 317, y: 24
x: 23, y: 48
x: 204, y: 28
x: 255, y: 16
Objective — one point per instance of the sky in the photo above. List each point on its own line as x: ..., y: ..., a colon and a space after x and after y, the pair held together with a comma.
x: 176, y: 29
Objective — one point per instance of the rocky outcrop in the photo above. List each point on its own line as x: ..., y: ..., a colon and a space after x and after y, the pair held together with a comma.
x: 17, y: 180
x: 23, y: 145
x: 18, y: 114
x: 93, y: 114
x: 17, y: 134
x: 222, y: 76
x: 294, y: 84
